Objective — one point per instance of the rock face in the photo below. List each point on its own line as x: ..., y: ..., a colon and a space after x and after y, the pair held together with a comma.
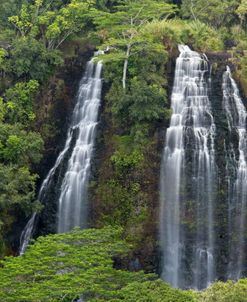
x: 226, y: 143
x: 218, y: 63
x: 55, y: 107
x: 147, y: 247
x: 145, y: 232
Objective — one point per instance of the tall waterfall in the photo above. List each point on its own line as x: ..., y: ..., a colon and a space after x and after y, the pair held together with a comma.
x: 237, y: 182
x: 188, y: 178
x: 73, y: 198
x: 72, y: 205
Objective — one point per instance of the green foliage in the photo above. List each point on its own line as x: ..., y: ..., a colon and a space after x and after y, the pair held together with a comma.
x: 117, y: 203
x: 2, y: 110
x: 56, y: 25
x: 154, y: 291
x: 204, y: 37
x: 242, y: 10
x: 70, y: 20
x: 142, y: 102
x: 2, y: 56
x: 200, y: 35
x: 107, y: 5
x: 124, y: 163
x: 132, y: 14
x: 19, y: 102
x: 17, y: 187
x: 17, y: 193
x: 37, y: 63
x: 7, y: 9
x: 147, y: 101
x: 213, y: 12
x: 19, y: 147
x: 225, y: 292
x: 134, y: 68
x: 23, y: 22
x: 79, y: 264
x: 122, y: 29
x: 66, y: 266
x: 144, y: 99
x: 243, y: 66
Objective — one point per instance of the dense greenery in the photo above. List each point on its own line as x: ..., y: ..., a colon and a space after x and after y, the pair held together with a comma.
x: 66, y: 267
x: 79, y: 264
x: 37, y: 38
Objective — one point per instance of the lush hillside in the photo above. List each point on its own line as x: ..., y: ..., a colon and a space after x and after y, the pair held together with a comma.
x: 83, y: 265
x: 44, y: 47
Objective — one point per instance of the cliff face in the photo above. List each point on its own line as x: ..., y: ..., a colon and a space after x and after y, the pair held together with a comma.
x: 55, y: 106
x: 144, y: 233
x: 107, y: 199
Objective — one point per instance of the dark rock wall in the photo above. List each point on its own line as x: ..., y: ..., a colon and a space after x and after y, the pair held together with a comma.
x: 224, y: 143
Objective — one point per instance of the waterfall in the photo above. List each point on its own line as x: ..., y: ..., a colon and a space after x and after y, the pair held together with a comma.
x: 26, y: 234
x: 72, y: 205
x: 73, y: 198
x: 187, y: 181
x: 237, y: 182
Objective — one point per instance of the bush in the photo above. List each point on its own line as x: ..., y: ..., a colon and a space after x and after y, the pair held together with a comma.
x: 29, y: 59
x: 199, y: 35
x: 225, y: 292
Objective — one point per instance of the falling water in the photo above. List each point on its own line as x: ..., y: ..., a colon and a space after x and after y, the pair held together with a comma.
x: 187, y: 178
x: 237, y: 186
x: 27, y: 233
x: 73, y: 198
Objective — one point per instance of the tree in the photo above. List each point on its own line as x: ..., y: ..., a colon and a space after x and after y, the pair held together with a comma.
x: 107, y: 5
x: 79, y: 264
x: 54, y: 25
x: 26, y: 20
x: 2, y: 56
x: 214, y: 12
x: 225, y: 292
x: 37, y: 63
x: 124, y: 25
x: 20, y: 102
x: 154, y: 291
x: 69, y: 20
x: 17, y: 192
x: 70, y: 265
x: 20, y: 147
x: 8, y: 8
x: 242, y: 10
x: 17, y: 186
x: 2, y: 110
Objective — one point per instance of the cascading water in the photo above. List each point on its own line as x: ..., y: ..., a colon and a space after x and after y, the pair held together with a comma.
x: 27, y: 233
x: 72, y: 208
x: 73, y: 197
x: 188, y: 178
x: 237, y: 182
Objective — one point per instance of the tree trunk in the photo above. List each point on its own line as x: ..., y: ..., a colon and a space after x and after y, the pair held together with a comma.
x: 125, y: 68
